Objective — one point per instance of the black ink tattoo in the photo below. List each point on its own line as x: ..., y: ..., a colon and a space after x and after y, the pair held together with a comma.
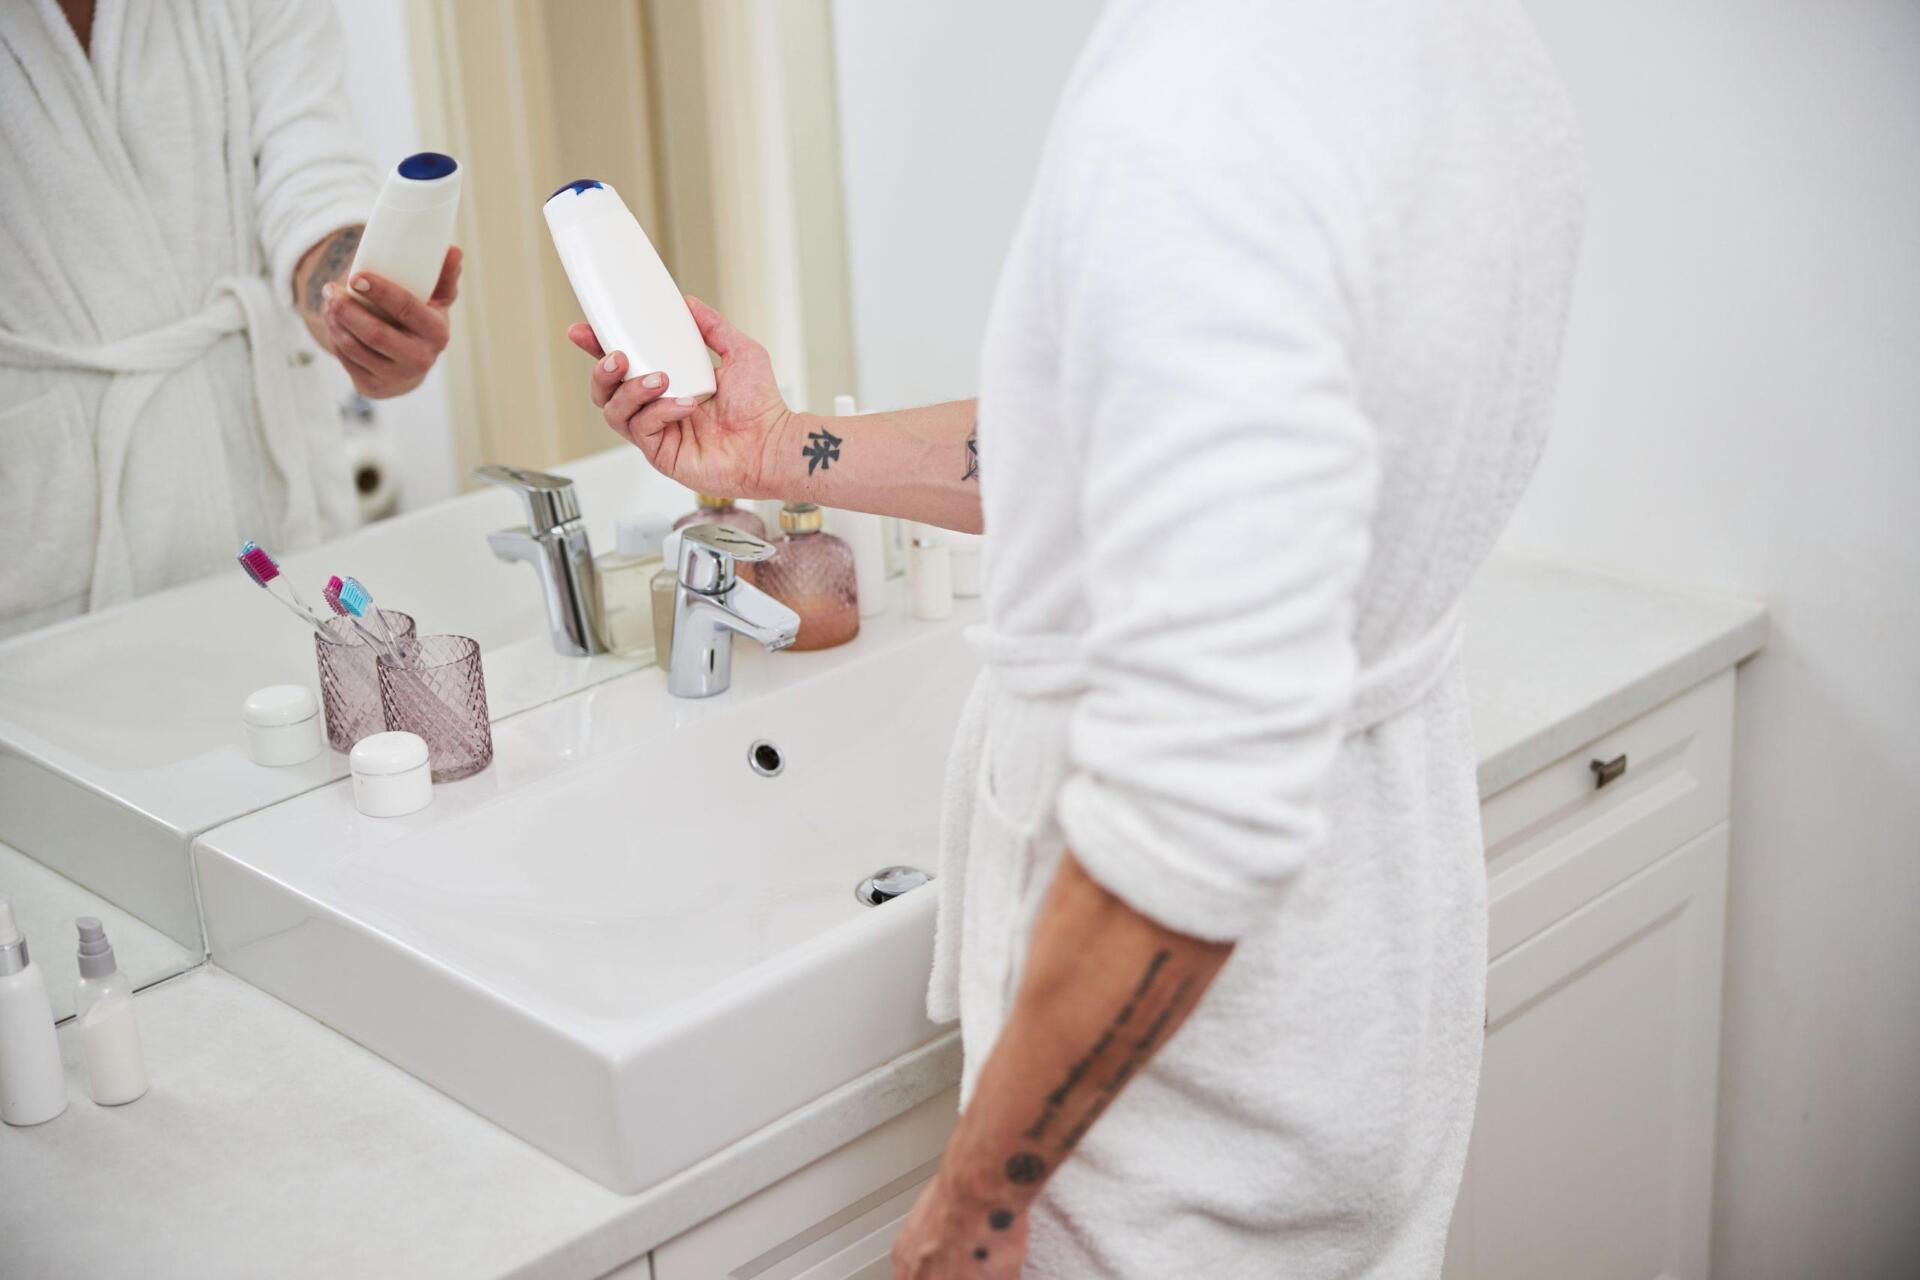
x: 821, y: 451
x: 973, y: 456
x: 336, y: 254
x: 1137, y: 1052
x: 1000, y: 1219
x: 1025, y: 1169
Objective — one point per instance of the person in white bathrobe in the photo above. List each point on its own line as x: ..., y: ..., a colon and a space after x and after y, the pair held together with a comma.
x: 183, y: 193
x: 1268, y: 366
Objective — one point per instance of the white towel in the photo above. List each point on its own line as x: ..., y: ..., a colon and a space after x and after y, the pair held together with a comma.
x: 157, y: 405
x: 1267, y: 368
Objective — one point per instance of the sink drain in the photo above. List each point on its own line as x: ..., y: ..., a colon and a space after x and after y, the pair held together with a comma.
x: 765, y: 759
x: 889, y: 883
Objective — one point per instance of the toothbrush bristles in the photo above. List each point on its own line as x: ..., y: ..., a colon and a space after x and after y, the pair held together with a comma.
x: 355, y: 598
x: 258, y: 564
x: 331, y: 594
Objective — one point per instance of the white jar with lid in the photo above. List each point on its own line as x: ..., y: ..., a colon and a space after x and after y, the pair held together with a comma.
x: 390, y: 774
x: 283, y: 725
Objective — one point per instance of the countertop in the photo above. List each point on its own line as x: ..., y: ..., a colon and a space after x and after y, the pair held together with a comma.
x: 270, y: 1145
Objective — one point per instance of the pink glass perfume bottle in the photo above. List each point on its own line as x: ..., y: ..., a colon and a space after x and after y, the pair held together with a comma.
x: 812, y: 574
x: 723, y: 511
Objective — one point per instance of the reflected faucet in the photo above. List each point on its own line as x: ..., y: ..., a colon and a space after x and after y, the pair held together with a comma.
x: 710, y: 604
x: 554, y: 542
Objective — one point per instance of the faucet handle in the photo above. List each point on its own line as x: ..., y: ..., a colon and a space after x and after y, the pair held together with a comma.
x: 708, y: 553
x: 550, y: 500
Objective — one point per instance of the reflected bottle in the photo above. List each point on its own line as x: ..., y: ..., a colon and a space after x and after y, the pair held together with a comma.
x: 626, y: 587
x: 728, y: 514
x: 812, y: 574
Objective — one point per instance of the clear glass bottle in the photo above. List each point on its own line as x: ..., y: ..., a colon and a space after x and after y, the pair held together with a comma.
x: 812, y: 574
x: 728, y: 513
x: 626, y: 587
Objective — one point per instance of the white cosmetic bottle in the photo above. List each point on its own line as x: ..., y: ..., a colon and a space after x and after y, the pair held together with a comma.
x: 412, y: 223
x: 629, y: 297
x: 931, y: 570
x: 33, y: 1086
x: 866, y: 534
x: 103, y: 1006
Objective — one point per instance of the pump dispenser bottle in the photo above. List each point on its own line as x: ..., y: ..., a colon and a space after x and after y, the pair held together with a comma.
x: 103, y: 1006
x: 812, y: 574
x: 629, y: 297
x: 412, y: 223
x: 33, y: 1087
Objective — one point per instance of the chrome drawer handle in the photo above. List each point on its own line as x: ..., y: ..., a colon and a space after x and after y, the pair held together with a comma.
x: 1605, y: 771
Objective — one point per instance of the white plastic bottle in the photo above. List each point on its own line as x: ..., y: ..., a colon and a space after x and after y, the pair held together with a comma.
x: 33, y: 1087
x: 930, y: 567
x: 412, y: 223
x: 103, y: 1006
x: 866, y: 534
x: 629, y: 297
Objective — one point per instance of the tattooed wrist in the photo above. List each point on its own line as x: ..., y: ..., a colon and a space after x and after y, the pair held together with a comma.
x: 973, y: 455
x: 821, y: 448
x: 326, y: 262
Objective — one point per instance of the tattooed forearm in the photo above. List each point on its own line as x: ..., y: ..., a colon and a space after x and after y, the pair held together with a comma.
x: 973, y: 455
x: 821, y: 450
x: 1057, y: 1100
x: 328, y: 261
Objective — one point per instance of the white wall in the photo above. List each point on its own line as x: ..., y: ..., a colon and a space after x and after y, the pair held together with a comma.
x: 1740, y: 411
x: 943, y: 109
x: 380, y: 88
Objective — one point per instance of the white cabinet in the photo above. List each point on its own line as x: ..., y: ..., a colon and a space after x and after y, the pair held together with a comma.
x: 1592, y: 1152
x: 833, y: 1220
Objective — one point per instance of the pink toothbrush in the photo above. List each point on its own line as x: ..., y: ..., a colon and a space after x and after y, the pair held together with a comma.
x: 266, y: 574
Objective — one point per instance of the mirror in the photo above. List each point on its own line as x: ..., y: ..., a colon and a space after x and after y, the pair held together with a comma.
x: 839, y: 177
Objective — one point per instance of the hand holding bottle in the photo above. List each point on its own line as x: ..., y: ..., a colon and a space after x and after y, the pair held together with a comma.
x: 719, y: 445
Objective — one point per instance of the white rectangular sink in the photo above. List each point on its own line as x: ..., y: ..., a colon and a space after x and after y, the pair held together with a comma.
x: 120, y: 732
x: 622, y: 942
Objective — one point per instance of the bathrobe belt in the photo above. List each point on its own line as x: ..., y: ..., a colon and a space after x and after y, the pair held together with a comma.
x: 1048, y: 666
x: 139, y: 364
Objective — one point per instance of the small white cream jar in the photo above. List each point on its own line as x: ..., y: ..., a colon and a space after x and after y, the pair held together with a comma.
x: 390, y: 774
x: 283, y: 725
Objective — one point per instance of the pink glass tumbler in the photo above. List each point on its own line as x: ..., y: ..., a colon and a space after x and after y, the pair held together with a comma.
x: 349, y: 683
x: 440, y: 693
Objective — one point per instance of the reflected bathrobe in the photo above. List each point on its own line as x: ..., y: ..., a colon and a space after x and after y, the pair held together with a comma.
x: 1268, y: 366
x: 158, y: 401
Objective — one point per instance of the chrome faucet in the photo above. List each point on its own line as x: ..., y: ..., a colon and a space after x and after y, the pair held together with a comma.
x: 554, y: 542
x: 711, y: 603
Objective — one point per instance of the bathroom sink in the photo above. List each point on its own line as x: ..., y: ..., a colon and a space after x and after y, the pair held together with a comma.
x: 120, y: 732
x: 635, y: 939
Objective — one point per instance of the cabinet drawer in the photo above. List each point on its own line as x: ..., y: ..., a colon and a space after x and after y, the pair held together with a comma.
x: 833, y: 1220
x: 1559, y: 837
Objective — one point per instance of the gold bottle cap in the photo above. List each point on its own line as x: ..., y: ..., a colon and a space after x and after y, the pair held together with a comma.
x: 708, y: 502
x: 800, y: 517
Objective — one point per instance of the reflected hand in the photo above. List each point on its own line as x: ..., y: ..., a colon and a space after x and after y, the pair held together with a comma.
x: 717, y: 447
x: 388, y: 344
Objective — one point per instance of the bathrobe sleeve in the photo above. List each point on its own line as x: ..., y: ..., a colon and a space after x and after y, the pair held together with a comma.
x: 1206, y: 311
x: 311, y: 176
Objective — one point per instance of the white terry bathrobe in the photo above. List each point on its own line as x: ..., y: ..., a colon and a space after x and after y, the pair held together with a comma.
x: 157, y: 406
x: 1268, y: 366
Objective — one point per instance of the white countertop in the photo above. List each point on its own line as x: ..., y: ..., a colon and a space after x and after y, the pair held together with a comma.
x: 270, y: 1145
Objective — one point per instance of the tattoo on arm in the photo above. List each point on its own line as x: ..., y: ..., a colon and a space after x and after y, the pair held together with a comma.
x: 1025, y: 1168
x: 821, y: 450
x: 330, y: 262
x: 973, y: 455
